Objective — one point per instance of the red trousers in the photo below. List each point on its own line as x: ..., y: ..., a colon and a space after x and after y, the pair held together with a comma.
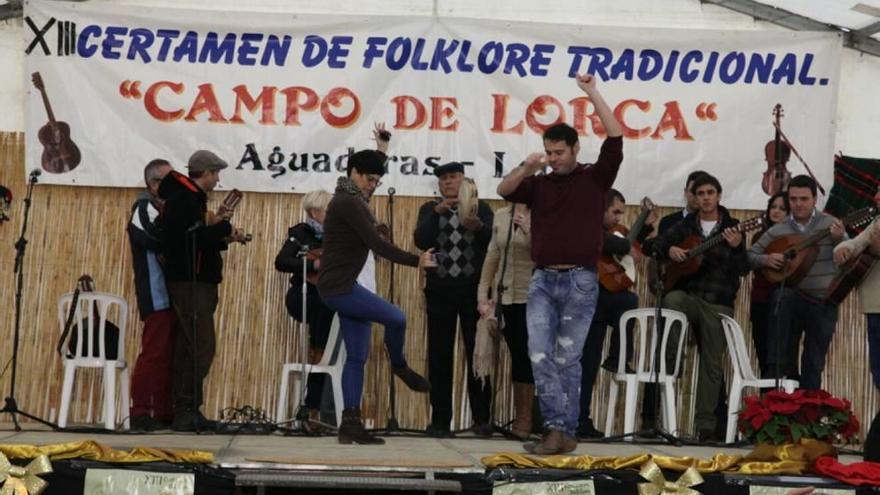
x: 151, y: 389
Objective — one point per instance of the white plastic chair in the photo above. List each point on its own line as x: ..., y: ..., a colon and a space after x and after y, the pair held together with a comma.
x: 90, y: 305
x: 644, y: 369
x: 329, y: 364
x: 743, y: 375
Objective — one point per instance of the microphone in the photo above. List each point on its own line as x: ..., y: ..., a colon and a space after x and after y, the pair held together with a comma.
x: 34, y: 174
x: 391, y: 191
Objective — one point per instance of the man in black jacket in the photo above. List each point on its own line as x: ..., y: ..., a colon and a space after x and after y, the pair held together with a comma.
x: 706, y: 293
x: 451, y: 295
x: 690, y: 206
x: 192, y: 242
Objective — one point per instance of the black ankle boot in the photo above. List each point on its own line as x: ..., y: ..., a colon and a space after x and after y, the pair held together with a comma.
x: 352, y: 429
x: 413, y: 380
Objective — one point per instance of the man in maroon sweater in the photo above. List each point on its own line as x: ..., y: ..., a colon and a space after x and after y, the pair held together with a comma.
x: 567, y: 210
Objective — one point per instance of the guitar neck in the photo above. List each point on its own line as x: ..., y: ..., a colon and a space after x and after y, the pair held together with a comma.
x: 718, y: 238
x: 637, y: 226
x: 705, y: 245
x: 812, y: 239
x: 47, y: 105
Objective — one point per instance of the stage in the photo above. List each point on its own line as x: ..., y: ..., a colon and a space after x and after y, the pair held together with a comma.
x: 405, y: 464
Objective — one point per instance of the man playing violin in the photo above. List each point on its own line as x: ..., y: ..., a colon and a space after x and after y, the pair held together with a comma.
x: 192, y: 287
x: 707, y: 292
x: 801, y: 305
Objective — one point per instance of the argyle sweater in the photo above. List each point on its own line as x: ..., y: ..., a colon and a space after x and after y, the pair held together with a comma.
x: 461, y: 252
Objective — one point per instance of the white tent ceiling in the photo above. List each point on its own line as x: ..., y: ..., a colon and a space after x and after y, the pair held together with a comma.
x: 851, y: 14
x: 858, y: 20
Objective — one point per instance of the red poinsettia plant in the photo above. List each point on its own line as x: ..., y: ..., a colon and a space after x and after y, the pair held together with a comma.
x: 779, y: 417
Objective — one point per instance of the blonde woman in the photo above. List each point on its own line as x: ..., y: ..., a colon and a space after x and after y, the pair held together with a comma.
x: 289, y: 260
x: 514, y: 260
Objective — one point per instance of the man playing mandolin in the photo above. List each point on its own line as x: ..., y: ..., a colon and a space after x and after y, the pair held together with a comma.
x: 800, y: 299
x: 707, y: 292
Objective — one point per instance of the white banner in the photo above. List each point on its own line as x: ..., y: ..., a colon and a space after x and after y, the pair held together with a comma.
x: 286, y: 98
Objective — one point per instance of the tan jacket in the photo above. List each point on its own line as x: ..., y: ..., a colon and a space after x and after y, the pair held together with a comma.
x: 869, y: 290
x: 519, y: 262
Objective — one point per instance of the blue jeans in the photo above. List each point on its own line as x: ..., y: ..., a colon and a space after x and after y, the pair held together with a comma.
x: 559, y: 312
x: 874, y: 346
x: 357, y: 310
x: 798, y: 315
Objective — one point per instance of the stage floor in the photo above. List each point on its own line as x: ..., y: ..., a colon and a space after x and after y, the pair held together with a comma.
x: 264, y: 458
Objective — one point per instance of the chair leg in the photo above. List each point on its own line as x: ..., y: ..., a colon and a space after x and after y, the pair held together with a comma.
x: 629, y: 407
x: 671, y: 422
x: 295, y: 396
x: 109, y: 395
x: 336, y: 384
x: 612, y: 407
x: 281, y: 407
x: 732, y: 407
x: 66, y: 393
x: 125, y: 392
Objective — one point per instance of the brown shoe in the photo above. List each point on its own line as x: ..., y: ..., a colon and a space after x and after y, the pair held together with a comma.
x: 550, y: 444
x: 569, y: 444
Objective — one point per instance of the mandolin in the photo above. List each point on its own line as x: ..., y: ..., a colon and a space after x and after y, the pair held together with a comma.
x: 60, y: 153
x: 696, y: 247
x: 618, y: 273
x: 801, y: 250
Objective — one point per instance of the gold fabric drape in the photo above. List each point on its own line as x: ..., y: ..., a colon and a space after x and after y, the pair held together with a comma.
x: 95, y: 451
x: 765, y: 459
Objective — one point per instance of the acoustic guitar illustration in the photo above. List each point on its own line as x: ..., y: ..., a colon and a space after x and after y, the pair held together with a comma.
x: 60, y: 153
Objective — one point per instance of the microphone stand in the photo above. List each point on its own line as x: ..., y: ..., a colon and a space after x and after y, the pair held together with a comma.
x: 302, y: 413
x: 392, y: 425
x: 10, y: 406
x: 781, y: 334
x: 192, y: 234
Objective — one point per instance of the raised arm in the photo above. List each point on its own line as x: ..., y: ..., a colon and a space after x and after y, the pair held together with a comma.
x: 587, y: 82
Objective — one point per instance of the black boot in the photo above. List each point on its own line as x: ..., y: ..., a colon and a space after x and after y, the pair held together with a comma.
x: 413, y: 380
x: 352, y: 429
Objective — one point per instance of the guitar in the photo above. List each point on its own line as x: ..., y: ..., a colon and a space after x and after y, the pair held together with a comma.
x: 84, y: 284
x: 60, y: 153
x: 801, y: 250
x: 850, y: 276
x: 618, y: 273
x: 696, y: 247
